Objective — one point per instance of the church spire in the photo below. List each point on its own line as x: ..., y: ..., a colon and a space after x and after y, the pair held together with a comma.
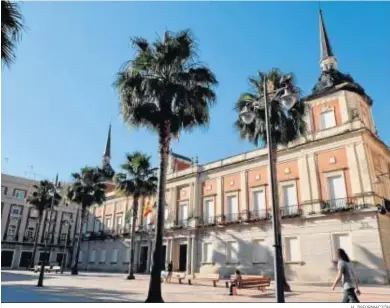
x: 328, y: 60
x: 107, y: 151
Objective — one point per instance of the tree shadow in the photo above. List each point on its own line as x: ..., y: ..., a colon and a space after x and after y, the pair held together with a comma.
x: 15, y: 276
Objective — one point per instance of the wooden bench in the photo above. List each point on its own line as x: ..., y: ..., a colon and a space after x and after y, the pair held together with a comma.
x: 54, y: 268
x: 208, y: 277
x: 252, y: 281
x: 178, y: 275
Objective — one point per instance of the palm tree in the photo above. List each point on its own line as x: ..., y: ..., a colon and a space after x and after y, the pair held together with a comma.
x: 286, y: 126
x: 11, y: 30
x: 41, y: 199
x: 138, y: 181
x: 87, y: 189
x: 165, y: 89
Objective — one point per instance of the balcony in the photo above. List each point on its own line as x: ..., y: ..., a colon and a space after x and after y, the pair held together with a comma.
x: 28, y: 239
x: 257, y: 215
x: 290, y: 211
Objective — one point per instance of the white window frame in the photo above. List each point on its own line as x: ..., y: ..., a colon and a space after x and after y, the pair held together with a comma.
x: 114, y: 256
x: 16, y: 210
x: 228, y: 214
x: 16, y: 193
x: 28, y: 231
x: 334, y: 248
x: 285, y: 240
x: 108, y: 222
x: 98, y: 224
x: 322, y: 113
x: 13, y: 228
x: 210, y: 259
x: 102, y: 256
x: 63, y: 236
x: 80, y: 260
x: 255, y: 190
x: 166, y: 213
x: 126, y: 258
x: 254, y: 260
x: 3, y: 190
x: 187, y: 204
x: 118, y: 219
x: 332, y: 174
x: 205, y: 200
x: 92, y: 254
x: 290, y: 209
x: 229, y: 252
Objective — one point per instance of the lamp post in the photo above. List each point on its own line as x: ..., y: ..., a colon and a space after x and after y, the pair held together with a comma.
x: 287, y: 98
x: 56, y: 186
x: 68, y: 224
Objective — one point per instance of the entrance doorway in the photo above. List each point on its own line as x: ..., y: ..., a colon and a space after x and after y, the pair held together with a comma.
x: 164, y: 253
x: 59, y: 257
x: 143, y: 260
x: 44, y: 257
x: 6, y: 258
x: 183, y: 258
x: 25, y: 259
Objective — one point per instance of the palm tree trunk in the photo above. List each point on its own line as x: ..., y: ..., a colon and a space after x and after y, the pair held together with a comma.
x: 132, y: 237
x: 154, y: 294
x: 34, y: 252
x: 75, y: 268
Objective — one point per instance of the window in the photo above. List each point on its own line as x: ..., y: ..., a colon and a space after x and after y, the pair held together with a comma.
x: 84, y: 228
x: 292, y: 249
x: 259, y: 201
x: 97, y: 225
x: 107, y: 225
x: 103, y: 256
x: 183, y: 212
x: 342, y: 241
x: 80, y: 256
x: 92, y: 256
x: 336, y: 187
x: 232, y: 252
x: 166, y: 213
x: 19, y: 194
x: 208, y: 211
x: 30, y: 232
x: 127, y: 255
x: 11, y: 230
x: 4, y: 190
x: 207, y: 253
x: 259, y: 252
x: 114, y: 256
x: 119, y: 223
x: 327, y: 119
x: 63, y: 236
x: 232, y: 207
x: 34, y: 213
x: 15, y: 210
x: 289, y: 199
x: 147, y: 220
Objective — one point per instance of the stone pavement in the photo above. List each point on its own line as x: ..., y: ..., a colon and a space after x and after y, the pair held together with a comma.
x: 20, y: 286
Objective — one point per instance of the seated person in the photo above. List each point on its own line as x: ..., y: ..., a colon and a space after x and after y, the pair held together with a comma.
x: 236, y: 282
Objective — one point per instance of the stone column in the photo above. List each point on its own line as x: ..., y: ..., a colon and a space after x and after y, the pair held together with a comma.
x: 57, y: 227
x: 189, y: 255
x: 244, y: 204
x: 354, y: 170
x: 171, y: 250
x: 4, y: 217
x: 219, y: 203
x: 149, y: 260
x: 313, y: 176
x: 193, y: 254
x: 23, y: 223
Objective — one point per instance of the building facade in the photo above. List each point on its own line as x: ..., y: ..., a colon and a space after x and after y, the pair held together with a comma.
x: 19, y: 226
x: 217, y: 217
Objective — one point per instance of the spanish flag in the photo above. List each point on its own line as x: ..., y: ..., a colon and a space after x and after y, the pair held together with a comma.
x: 147, y: 209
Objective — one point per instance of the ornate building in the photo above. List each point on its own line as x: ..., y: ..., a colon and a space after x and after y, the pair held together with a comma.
x: 330, y: 182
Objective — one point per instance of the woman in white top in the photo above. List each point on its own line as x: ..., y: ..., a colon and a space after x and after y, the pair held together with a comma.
x: 349, y: 280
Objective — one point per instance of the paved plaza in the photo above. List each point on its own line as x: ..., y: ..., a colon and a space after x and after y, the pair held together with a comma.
x: 20, y: 286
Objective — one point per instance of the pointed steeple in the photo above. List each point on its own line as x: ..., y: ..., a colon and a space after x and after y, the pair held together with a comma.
x: 328, y: 60
x: 107, y: 151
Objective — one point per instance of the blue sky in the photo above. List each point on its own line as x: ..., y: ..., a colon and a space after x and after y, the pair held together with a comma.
x: 58, y: 99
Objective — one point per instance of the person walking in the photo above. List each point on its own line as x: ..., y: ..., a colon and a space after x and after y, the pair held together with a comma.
x: 346, y: 273
x: 169, y: 276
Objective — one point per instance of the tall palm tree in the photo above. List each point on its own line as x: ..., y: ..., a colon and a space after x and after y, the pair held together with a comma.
x: 87, y: 189
x: 286, y: 126
x: 165, y: 89
x: 137, y: 181
x: 11, y: 30
x: 41, y: 199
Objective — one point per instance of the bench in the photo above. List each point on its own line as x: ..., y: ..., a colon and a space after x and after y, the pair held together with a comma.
x: 55, y: 268
x: 178, y: 275
x: 208, y: 277
x: 252, y: 281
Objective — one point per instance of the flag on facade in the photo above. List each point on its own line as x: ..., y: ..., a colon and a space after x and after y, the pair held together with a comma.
x: 147, y: 209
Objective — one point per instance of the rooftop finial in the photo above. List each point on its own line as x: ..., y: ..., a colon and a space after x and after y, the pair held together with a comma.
x: 327, y: 61
x: 107, y: 151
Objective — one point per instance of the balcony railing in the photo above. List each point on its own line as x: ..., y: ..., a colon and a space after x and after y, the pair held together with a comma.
x: 290, y: 211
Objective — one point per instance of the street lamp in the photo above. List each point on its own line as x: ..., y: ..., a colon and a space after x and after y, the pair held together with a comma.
x: 68, y: 224
x: 55, y: 189
x: 287, y: 97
